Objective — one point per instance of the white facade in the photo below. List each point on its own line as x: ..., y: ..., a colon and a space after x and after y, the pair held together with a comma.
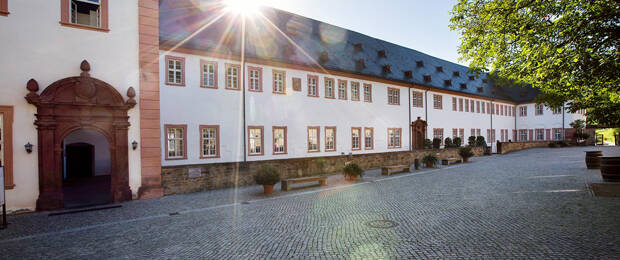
x: 35, y: 45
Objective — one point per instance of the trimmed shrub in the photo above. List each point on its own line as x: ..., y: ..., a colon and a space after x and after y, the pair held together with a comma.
x: 428, y: 144
x: 553, y: 145
x: 471, y: 141
x: 436, y: 143
x: 448, y: 142
x: 480, y: 141
x: 457, y: 142
x: 352, y: 169
x: 465, y: 152
x: 267, y: 176
x: 562, y: 144
x: 430, y: 160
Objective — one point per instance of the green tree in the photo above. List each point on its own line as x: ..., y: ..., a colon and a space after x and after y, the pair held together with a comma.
x: 569, y: 49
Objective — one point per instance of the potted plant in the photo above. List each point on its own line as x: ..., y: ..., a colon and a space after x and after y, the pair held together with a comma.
x: 553, y: 145
x: 448, y: 142
x: 428, y: 144
x: 436, y: 143
x: 471, y: 141
x: 465, y: 153
x: 267, y: 176
x: 480, y: 141
x: 562, y: 144
x: 457, y: 142
x: 352, y: 170
x: 430, y: 160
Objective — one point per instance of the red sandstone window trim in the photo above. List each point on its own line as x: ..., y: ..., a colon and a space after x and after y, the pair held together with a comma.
x: 202, y: 78
x: 417, y: 99
x: 363, y: 91
x: 227, y: 79
x: 217, y: 141
x: 345, y: 97
x: 4, y: 9
x: 372, y: 138
x: 316, y: 85
x: 184, y: 127
x: 260, y: 78
x: 355, y: 97
x: 318, y: 139
x: 273, y: 81
x: 174, y: 58
x: 65, y: 16
x: 360, y: 136
x: 395, y: 101
x: 7, y: 161
x: 454, y: 104
x: 262, y: 140
x: 335, y: 138
x: 400, y: 138
x: 437, y: 101
x: 333, y: 92
x: 273, y: 135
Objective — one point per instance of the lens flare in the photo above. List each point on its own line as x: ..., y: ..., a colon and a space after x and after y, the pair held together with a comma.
x: 243, y: 7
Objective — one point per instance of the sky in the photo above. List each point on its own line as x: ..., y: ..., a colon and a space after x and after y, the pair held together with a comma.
x: 421, y: 25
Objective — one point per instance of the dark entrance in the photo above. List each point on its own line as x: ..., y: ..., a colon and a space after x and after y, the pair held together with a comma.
x: 80, y: 161
x: 418, y: 130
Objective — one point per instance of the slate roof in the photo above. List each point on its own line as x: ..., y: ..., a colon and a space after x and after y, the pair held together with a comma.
x: 334, y: 48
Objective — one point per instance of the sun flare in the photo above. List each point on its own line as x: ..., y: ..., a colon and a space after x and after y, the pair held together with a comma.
x: 243, y: 7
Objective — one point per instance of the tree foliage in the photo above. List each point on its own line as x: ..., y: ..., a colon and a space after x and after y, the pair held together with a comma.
x: 569, y: 49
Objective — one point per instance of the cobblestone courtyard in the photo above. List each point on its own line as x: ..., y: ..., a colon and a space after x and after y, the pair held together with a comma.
x: 528, y: 204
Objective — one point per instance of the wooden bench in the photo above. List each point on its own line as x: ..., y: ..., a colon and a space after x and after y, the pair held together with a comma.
x: 388, y: 170
x: 449, y: 161
x: 286, y: 184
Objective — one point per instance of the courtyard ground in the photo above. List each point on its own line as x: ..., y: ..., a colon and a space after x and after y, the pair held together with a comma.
x: 528, y: 204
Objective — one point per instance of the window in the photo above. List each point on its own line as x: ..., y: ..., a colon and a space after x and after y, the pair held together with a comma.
x: 342, y: 89
x: 453, y: 104
x: 461, y: 104
x: 209, y: 141
x: 255, y: 79
x: 355, y: 91
x: 279, y: 82
x: 523, y: 111
x: 313, y: 139
x: 279, y: 140
x: 466, y: 105
x: 471, y: 106
x: 455, y: 133
x: 356, y: 138
x: 393, y: 96
x: 540, y: 134
x: 232, y: 76
x: 557, y: 110
x: 369, y: 139
x: 208, y: 73
x: 497, y: 109
x: 483, y: 110
x: 522, y: 135
x: 557, y: 134
x: 462, y: 135
x: 176, y: 142
x: 437, y: 102
x: 330, y: 138
x: 489, y: 108
x: 501, y: 132
x: 176, y: 71
x: 438, y: 133
x: 478, y: 132
x: 492, y: 136
x: 477, y: 106
x: 473, y: 132
x: 418, y: 99
x: 394, y: 135
x: 255, y: 140
x: 4, y: 11
x: 367, y: 93
x: 86, y: 14
x: 548, y: 134
x: 6, y: 144
x: 329, y: 88
x: 313, y: 86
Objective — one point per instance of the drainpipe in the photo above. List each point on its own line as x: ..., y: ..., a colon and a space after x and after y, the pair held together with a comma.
x: 514, y: 136
x: 426, y: 113
x: 409, y: 123
x: 245, y: 124
x: 491, y: 131
x: 563, y: 131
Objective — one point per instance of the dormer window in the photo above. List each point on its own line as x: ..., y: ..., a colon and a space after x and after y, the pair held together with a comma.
x: 358, y: 47
x: 86, y: 14
x: 419, y: 63
x: 408, y: 74
x: 485, y: 80
x: 447, y: 82
x: 439, y: 69
x: 387, y: 69
x: 472, y: 78
x: 382, y: 54
x: 456, y: 74
x: 427, y: 78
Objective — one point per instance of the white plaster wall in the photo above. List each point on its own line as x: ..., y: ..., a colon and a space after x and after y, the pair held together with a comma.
x: 35, y: 45
x: 295, y: 110
x: 547, y: 120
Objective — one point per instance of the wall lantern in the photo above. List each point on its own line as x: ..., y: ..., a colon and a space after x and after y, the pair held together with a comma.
x: 28, y: 147
x: 134, y: 145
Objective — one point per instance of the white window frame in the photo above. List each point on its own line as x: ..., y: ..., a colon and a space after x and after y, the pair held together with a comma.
x: 356, y: 138
x: 254, y: 78
x: 177, y: 71
x: 73, y: 12
x: 255, y: 141
x: 209, y: 143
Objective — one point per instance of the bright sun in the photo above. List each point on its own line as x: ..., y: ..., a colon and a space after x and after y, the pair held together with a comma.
x: 244, y: 7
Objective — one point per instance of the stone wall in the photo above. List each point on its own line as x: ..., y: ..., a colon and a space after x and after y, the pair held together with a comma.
x: 195, y: 178
x: 507, y: 147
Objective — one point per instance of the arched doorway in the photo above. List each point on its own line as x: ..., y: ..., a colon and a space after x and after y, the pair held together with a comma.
x: 418, y: 129
x: 86, y: 168
x: 73, y: 104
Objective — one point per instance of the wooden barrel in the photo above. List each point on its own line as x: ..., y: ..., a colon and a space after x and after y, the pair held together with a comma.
x: 593, y: 159
x: 610, y: 168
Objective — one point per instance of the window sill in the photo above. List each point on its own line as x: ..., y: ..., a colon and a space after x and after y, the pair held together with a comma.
x: 4, y: 13
x: 86, y: 27
x: 9, y: 187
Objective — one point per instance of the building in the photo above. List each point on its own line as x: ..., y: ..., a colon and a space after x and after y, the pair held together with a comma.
x: 119, y: 91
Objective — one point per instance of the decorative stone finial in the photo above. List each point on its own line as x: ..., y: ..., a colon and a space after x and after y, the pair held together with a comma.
x: 85, y: 67
x: 131, y: 93
x: 32, y: 86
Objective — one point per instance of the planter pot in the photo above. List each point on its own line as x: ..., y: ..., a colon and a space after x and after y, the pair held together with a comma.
x: 610, y: 168
x: 352, y: 178
x: 466, y: 159
x: 430, y: 165
x: 268, y: 189
x: 593, y: 159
